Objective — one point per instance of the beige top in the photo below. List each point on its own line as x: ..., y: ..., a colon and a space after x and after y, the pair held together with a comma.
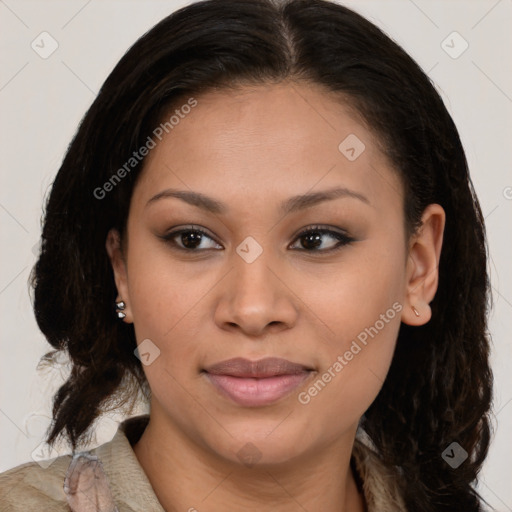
x: 109, y: 478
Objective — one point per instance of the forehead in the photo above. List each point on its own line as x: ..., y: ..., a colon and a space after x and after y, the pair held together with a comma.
x: 270, y: 140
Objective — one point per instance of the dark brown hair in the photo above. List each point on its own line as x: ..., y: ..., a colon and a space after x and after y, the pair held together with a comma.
x: 438, y: 389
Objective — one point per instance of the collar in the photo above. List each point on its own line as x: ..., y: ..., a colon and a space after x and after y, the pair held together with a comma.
x: 131, y: 488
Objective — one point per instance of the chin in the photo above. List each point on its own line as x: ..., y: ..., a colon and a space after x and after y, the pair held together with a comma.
x: 252, y: 447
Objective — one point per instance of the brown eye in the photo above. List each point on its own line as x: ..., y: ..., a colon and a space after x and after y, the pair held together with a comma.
x: 191, y: 239
x: 318, y: 239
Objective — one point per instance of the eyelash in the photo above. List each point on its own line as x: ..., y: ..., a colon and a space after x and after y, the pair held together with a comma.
x: 342, y: 238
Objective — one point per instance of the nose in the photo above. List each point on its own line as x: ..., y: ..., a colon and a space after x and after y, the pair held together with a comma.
x: 256, y: 299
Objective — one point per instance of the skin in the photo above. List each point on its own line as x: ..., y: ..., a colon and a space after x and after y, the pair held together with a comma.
x: 251, y: 149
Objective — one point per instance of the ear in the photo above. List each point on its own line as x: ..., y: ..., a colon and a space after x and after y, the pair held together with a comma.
x: 117, y: 260
x: 422, y: 271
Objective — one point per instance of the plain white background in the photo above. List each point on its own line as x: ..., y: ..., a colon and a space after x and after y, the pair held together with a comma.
x: 42, y: 101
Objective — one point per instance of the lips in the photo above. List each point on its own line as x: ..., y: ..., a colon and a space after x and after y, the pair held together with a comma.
x: 256, y: 383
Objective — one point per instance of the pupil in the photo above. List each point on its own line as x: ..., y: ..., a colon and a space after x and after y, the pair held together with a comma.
x: 313, y: 241
x: 191, y: 239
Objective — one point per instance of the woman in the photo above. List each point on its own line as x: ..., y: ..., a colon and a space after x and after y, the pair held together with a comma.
x: 265, y: 222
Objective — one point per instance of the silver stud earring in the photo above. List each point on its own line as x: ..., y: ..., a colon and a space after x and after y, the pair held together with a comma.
x: 120, y: 306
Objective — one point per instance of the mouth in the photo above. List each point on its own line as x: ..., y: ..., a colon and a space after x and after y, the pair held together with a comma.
x: 256, y: 383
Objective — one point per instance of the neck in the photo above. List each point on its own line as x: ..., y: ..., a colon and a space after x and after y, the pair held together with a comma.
x: 186, y: 476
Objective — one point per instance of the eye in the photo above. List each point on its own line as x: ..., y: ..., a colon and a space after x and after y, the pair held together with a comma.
x: 314, y: 239
x: 322, y: 239
x: 191, y: 239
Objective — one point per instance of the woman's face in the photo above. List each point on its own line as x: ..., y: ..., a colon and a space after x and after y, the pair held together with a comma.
x: 242, y: 175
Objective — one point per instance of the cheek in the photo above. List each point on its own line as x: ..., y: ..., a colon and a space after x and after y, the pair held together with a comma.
x: 353, y: 295
x: 166, y: 298
x: 353, y: 373
x: 360, y: 308
x: 162, y: 290
x: 165, y: 309
x: 169, y: 316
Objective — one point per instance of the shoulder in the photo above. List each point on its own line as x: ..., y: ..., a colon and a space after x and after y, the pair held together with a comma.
x: 60, y: 484
x: 35, y: 486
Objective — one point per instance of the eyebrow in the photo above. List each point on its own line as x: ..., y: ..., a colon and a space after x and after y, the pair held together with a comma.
x: 291, y: 205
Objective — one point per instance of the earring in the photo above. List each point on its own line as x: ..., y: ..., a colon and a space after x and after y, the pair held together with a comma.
x: 120, y: 306
x: 415, y: 311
